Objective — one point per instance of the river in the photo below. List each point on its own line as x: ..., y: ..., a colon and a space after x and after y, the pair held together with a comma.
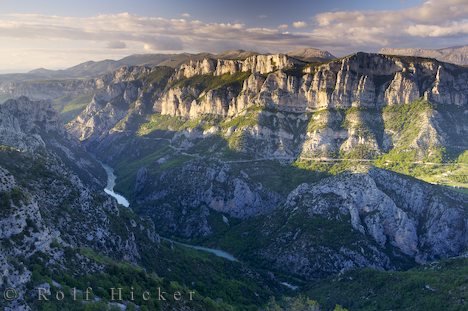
x: 111, y: 184
x: 213, y: 251
x: 109, y: 189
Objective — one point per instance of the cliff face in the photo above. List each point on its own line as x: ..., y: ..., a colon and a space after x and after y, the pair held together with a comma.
x: 359, y: 107
x: 185, y: 207
x: 221, y: 153
x: 339, y: 106
x: 21, y: 123
x: 279, y: 82
x: 126, y: 92
x: 361, y: 216
x: 255, y: 64
x: 361, y: 80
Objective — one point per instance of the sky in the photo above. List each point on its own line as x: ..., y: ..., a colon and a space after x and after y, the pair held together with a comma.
x: 58, y: 34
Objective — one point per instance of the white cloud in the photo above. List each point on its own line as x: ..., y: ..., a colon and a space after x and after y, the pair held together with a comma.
x: 185, y: 15
x: 33, y: 40
x: 299, y: 24
x: 116, y: 45
x: 451, y: 29
x: 446, y: 20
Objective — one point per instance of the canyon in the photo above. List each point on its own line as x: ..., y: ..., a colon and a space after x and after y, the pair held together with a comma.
x: 300, y: 166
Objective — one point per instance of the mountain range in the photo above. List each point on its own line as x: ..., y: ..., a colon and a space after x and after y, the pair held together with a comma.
x: 95, y: 68
x: 456, y: 55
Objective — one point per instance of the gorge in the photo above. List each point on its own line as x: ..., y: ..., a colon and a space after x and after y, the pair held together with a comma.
x: 295, y: 173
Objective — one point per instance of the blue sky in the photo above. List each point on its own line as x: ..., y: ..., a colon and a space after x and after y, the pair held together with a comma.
x: 265, y: 13
x: 58, y: 34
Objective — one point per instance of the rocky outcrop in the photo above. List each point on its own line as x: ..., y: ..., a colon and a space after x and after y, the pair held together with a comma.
x: 193, y: 68
x: 183, y: 207
x: 255, y: 64
x: 21, y: 123
x: 342, y: 101
x: 380, y: 219
x: 126, y: 93
x: 365, y: 81
x: 361, y: 80
x: 372, y: 80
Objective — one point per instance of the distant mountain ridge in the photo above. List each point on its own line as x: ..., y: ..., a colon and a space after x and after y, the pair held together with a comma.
x: 91, y: 69
x: 310, y: 55
x: 456, y: 55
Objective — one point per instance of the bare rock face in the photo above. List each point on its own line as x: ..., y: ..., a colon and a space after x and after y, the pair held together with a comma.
x: 119, y: 96
x: 211, y: 187
x: 361, y: 80
x: 372, y: 80
x: 367, y: 81
x: 388, y: 218
x: 343, y: 101
x: 268, y: 63
x: 193, y: 68
x: 21, y: 123
x: 256, y: 64
x: 106, y: 109
x: 372, y: 213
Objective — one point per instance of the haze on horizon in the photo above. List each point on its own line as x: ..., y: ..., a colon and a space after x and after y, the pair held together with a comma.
x: 53, y: 34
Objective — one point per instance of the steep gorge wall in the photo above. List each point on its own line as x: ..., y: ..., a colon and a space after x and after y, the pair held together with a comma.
x: 325, y: 95
x: 360, y: 80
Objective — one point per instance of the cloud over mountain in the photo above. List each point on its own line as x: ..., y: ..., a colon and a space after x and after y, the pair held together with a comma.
x: 434, y: 23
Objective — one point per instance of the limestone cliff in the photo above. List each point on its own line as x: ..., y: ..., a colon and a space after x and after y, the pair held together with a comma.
x: 368, y: 219
x: 360, y: 80
x: 257, y: 63
x: 344, y: 101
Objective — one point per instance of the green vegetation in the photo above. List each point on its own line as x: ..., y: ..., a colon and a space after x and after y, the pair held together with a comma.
x: 69, y: 107
x: 114, y: 275
x: 405, y: 120
x: 296, y: 71
x: 210, y: 82
x: 249, y: 119
x: 159, y: 76
x: 463, y: 157
x: 4, y: 97
x: 431, y: 168
x: 437, y: 286
x: 324, y: 118
x: 217, y: 284
x: 161, y: 122
x: 277, y: 177
x: 299, y: 303
x: 15, y: 196
x: 245, y: 238
x: 428, y: 162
